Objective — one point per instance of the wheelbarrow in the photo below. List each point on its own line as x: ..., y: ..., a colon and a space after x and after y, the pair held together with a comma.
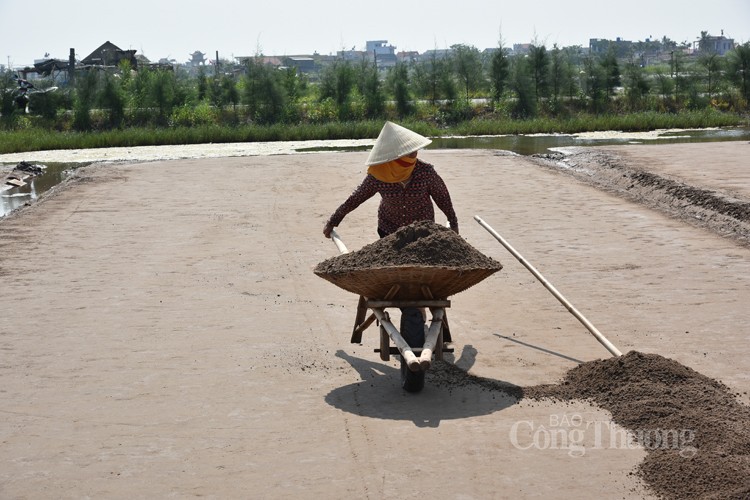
x: 407, y: 286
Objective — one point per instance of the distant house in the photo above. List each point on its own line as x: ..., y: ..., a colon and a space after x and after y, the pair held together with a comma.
x: 715, y: 44
x: 302, y: 64
x: 431, y: 54
x: 351, y: 55
x: 48, y: 67
x: 520, y: 49
x: 276, y: 62
x: 409, y: 56
x: 142, y: 60
x: 56, y: 69
x: 384, y: 55
x: 602, y: 46
x: 109, y: 54
x: 273, y: 61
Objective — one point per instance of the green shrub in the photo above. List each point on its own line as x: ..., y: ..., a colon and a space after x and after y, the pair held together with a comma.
x: 189, y: 115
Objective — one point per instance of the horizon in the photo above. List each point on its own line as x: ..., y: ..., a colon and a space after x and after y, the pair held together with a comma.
x: 210, y: 57
x: 172, y: 29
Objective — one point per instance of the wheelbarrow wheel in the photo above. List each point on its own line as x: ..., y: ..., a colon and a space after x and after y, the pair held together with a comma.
x: 411, y: 381
x: 412, y: 329
x: 412, y: 326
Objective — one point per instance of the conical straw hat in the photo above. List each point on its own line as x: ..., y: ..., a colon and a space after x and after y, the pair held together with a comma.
x: 394, y: 142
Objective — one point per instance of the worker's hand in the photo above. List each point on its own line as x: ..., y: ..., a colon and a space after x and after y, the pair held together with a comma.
x: 327, y: 230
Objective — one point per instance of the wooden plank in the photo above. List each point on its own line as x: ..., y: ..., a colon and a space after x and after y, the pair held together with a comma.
x: 14, y: 182
x: 395, y: 352
x: 372, y: 304
x: 392, y: 292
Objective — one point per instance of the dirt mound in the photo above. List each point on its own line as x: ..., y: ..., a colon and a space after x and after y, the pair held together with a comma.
x: 422, y: 243
x: 695, y: 431
x: 717, y: 211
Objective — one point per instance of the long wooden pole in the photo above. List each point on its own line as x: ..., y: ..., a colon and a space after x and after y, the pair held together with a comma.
x: 580, y: 317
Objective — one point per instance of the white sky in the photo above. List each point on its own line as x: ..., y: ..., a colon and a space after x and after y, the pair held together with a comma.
x: 176, y: 28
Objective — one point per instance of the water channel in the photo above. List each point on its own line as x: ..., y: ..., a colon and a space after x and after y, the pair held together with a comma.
x: 12, y: 198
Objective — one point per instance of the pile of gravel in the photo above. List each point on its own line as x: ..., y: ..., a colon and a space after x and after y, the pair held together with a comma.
x: 696, y: 432
x: 422, y: 243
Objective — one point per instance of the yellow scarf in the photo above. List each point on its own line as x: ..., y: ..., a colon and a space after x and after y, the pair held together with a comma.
x: 393, y: 171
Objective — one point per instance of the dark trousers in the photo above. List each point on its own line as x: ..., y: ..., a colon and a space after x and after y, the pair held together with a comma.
x: 412, y: 326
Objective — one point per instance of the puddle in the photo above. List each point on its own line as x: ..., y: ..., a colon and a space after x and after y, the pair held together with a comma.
x: 334, y: 149
x: 12, y: 198
x: 543, y: 143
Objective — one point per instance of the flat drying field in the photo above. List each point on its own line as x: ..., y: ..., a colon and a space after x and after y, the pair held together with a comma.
x: 163, y: 332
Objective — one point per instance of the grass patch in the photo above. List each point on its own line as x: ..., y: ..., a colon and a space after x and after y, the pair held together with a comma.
x: 636, y: 122
x: 40, y: 139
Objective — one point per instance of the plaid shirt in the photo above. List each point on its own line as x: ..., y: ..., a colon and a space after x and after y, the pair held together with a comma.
x: 399, y: 205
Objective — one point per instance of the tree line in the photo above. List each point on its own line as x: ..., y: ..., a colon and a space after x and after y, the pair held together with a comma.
x: 464, y: 85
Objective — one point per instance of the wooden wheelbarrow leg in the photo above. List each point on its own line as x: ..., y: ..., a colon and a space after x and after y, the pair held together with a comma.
x: 444, y: 332
x: 446, y: 329
x: 385, y: 342
x: 411, y: 359
x: 360, y: 323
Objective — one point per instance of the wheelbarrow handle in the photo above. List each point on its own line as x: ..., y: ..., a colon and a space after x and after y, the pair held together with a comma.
x: 337, y: 241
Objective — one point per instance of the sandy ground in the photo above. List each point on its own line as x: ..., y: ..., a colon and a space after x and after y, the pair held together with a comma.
x: 163, y: 333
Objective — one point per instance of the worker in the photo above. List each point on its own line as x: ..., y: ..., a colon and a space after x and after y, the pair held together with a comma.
x: 407, y: 186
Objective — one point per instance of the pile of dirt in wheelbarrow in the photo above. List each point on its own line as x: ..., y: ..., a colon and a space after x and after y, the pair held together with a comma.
x: 422, y: 243
x: 421, y: 260
x: 695, y: 431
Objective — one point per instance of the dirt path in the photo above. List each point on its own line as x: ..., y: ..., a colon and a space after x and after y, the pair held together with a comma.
x: 163, y: 334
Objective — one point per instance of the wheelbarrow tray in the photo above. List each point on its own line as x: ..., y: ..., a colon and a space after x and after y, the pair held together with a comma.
x: 375, y: 283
